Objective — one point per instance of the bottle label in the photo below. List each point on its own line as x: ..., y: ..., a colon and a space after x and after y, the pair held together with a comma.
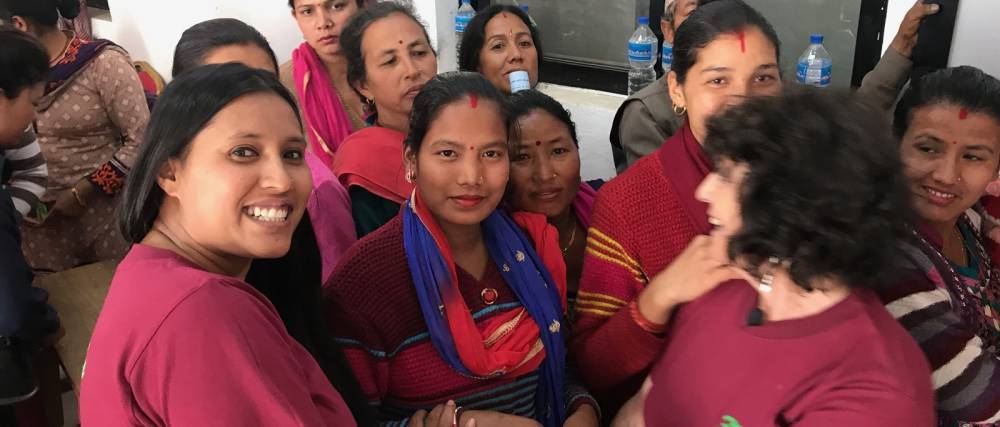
x: 667, y: 55
x: 461, y: 22
x: 814, y: 76
x: 640, y: 51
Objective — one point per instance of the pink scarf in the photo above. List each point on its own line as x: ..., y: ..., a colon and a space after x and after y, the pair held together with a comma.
x: 583, y: 204
x: 326, y: 119
x: 329, y: 208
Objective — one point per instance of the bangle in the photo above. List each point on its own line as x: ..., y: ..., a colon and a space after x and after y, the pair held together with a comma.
x: 643, y: 322
x: 456, y: 416
x: 76, y: 195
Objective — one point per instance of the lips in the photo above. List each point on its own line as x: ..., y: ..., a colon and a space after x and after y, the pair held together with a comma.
x: 938, y: 197
x: 269, y: 213
x: 413, y: 91
x: 328, y: 40
x: 547, y: 194
x: 468, y: 201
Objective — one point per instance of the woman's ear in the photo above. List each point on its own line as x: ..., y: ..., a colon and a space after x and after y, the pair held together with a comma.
x: 167, y: 178
x: 676, y: 90
x: 364, y: 90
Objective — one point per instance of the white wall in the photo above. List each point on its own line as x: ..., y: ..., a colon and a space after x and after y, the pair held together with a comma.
x: 975, y: 33
x: 149, y: 30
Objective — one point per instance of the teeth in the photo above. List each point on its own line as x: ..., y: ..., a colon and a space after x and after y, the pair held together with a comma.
x: 940, y: 194
x: 268, y: 214
x: 714, y: 221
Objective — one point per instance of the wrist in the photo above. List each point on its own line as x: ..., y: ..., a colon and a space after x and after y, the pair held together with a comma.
x: 651, y: 312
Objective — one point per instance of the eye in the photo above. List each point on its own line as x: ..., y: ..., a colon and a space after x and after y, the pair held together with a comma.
x: 717, y: 82
x: 306, y: 12
x: 521, y: 157
x: 243, y: 153
x: 493, y: 154
x: 526, y: 43
x: 447, y: 153
x: 295, y: 154
x: 560, y: 151
x: 765, y: 78
x: 496, y: 46
x: 391, y: 61
x: 973, y: 157
x: 420, y: 53
x: 927, y: 149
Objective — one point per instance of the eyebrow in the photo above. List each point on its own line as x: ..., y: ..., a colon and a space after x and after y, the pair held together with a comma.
x: 392, y: 50
x: 516, y: 35
x: 297, y: 139
x: 981, y: 147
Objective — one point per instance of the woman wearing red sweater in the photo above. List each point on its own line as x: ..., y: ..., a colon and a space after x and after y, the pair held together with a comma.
x: 456, y: 307
x: 807, y: 201
x: 725, y: 52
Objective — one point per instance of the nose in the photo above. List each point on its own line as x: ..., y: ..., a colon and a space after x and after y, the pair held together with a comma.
x: 948, y: 170
x: 471, y: 173
x: 543, y: 170
x: 324, y: 21
x: 515, y: 54
x: 275, y: 176
x: 704, y: 191
x: 410, y: 67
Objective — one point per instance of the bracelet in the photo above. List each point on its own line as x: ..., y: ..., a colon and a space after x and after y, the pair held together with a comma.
x: 645, y: 324
x: 76, y: 195
x: 457, y: 416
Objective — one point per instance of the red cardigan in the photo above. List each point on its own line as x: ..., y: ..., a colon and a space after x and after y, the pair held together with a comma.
x: 641, y: 222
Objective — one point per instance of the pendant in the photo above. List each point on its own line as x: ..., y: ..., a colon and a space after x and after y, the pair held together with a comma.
x: 489, y: 296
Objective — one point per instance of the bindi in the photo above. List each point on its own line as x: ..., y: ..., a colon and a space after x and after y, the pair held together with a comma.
x: 538, y: 143
x: 473, y: 101
x: 963, y: 114
x: 743, y: 41
x: 400, y: 42
x: 471, y: 148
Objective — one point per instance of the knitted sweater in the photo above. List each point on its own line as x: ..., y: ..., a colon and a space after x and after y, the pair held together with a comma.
x: 965, y: 358
x: 376, y: 318
x: 637, y: 229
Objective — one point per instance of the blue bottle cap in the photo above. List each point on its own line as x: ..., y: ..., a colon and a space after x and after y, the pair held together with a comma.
x: 643, y: 20
x: 816, y: 38
x: 524, y: 7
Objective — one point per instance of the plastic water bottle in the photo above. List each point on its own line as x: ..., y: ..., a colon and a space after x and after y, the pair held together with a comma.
x: 815, y: 66
x: 462, y: 17
x: 666, y: 56
x: 524, y: 8
x: 641, y: 51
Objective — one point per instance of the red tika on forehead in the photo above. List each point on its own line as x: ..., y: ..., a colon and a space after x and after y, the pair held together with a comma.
x: 473, y: 100
x: 743, y: 41
x: 963, y: 114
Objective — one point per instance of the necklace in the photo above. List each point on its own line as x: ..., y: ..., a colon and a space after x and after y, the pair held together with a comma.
x: 572, y: 238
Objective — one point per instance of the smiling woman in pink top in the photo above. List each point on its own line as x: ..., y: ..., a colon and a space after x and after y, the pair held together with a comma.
x: 182, y: 338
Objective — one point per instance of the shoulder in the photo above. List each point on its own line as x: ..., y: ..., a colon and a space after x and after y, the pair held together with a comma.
x: 636, y: 184
x: 114, y: 59
x: 377, y: 260
x: 286, y: 74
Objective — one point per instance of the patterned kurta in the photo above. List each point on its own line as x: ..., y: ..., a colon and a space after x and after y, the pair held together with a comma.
x: 89, y: 126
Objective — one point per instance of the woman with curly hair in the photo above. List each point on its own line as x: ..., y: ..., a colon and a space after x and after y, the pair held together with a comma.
x: 804, y: 201
x: 948, y: 125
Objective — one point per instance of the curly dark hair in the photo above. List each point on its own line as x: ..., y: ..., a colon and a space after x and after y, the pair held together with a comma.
x: 825, y: 189
x: 474, y: 36
x: 446, y: 88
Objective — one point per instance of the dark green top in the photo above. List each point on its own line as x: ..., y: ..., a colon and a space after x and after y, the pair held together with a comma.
x: 369, y: 210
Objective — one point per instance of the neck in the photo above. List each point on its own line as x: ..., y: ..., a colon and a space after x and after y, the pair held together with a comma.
x: 168, y: 236
x: 944, y: 228
x: 391, y: 120
x: 788, y: 300
x: 336, y: 66
x: 564, y: 221
x: 463, y: 239
x: 54, y: 42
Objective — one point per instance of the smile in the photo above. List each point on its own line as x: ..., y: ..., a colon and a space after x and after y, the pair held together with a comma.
x: 268, y: 214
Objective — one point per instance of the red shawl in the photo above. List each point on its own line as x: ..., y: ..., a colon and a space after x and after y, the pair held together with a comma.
x: 372, y: 158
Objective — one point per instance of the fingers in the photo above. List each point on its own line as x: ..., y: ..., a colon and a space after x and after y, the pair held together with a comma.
x: 445, y: 414
x: 417, y: 420
x: 929, y: 9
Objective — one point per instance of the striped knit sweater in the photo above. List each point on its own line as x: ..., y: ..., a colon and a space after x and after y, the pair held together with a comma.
x: 966, y: 367
x: 28, y: 173
x: 638, y: 228
x: 376, y: 319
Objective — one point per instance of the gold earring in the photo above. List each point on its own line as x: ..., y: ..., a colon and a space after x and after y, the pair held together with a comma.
x: 680, y: 111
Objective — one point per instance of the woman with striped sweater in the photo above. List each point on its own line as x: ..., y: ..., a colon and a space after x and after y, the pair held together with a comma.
x: 948, y: 123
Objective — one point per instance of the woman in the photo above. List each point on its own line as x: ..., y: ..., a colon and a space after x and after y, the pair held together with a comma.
x: 474, y: 315
x: 724, y: 52
x: 948, y: 125
x: 90, y: 125
x: 500, y: 39
x: 389, y: 59
x: 292, y: 282
x: 317, y: 75
x: 804, y: 340
x: 219, y: 41
x: 182, y: 337
x: 545, y: 176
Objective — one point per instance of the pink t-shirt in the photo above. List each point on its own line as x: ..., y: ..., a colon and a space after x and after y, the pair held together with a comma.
x: 176, y: 345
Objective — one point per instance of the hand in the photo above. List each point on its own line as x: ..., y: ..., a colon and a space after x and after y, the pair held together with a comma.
x: 702, y: 266
x: 906, y: 37
x: 441, y: 416
x: 631, y: 414
x: 585, y: 416
x: 497, y: 419
x: 67, y: 204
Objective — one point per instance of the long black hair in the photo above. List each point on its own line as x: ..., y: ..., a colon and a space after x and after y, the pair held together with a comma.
x: 445, y: 89
x: 204, y: 37
x: 23, y: 62
x: 710, y: 20
x: 43, y: 13
x: 965, y: 87
x: 181, y: 112
x: 474, y: 36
